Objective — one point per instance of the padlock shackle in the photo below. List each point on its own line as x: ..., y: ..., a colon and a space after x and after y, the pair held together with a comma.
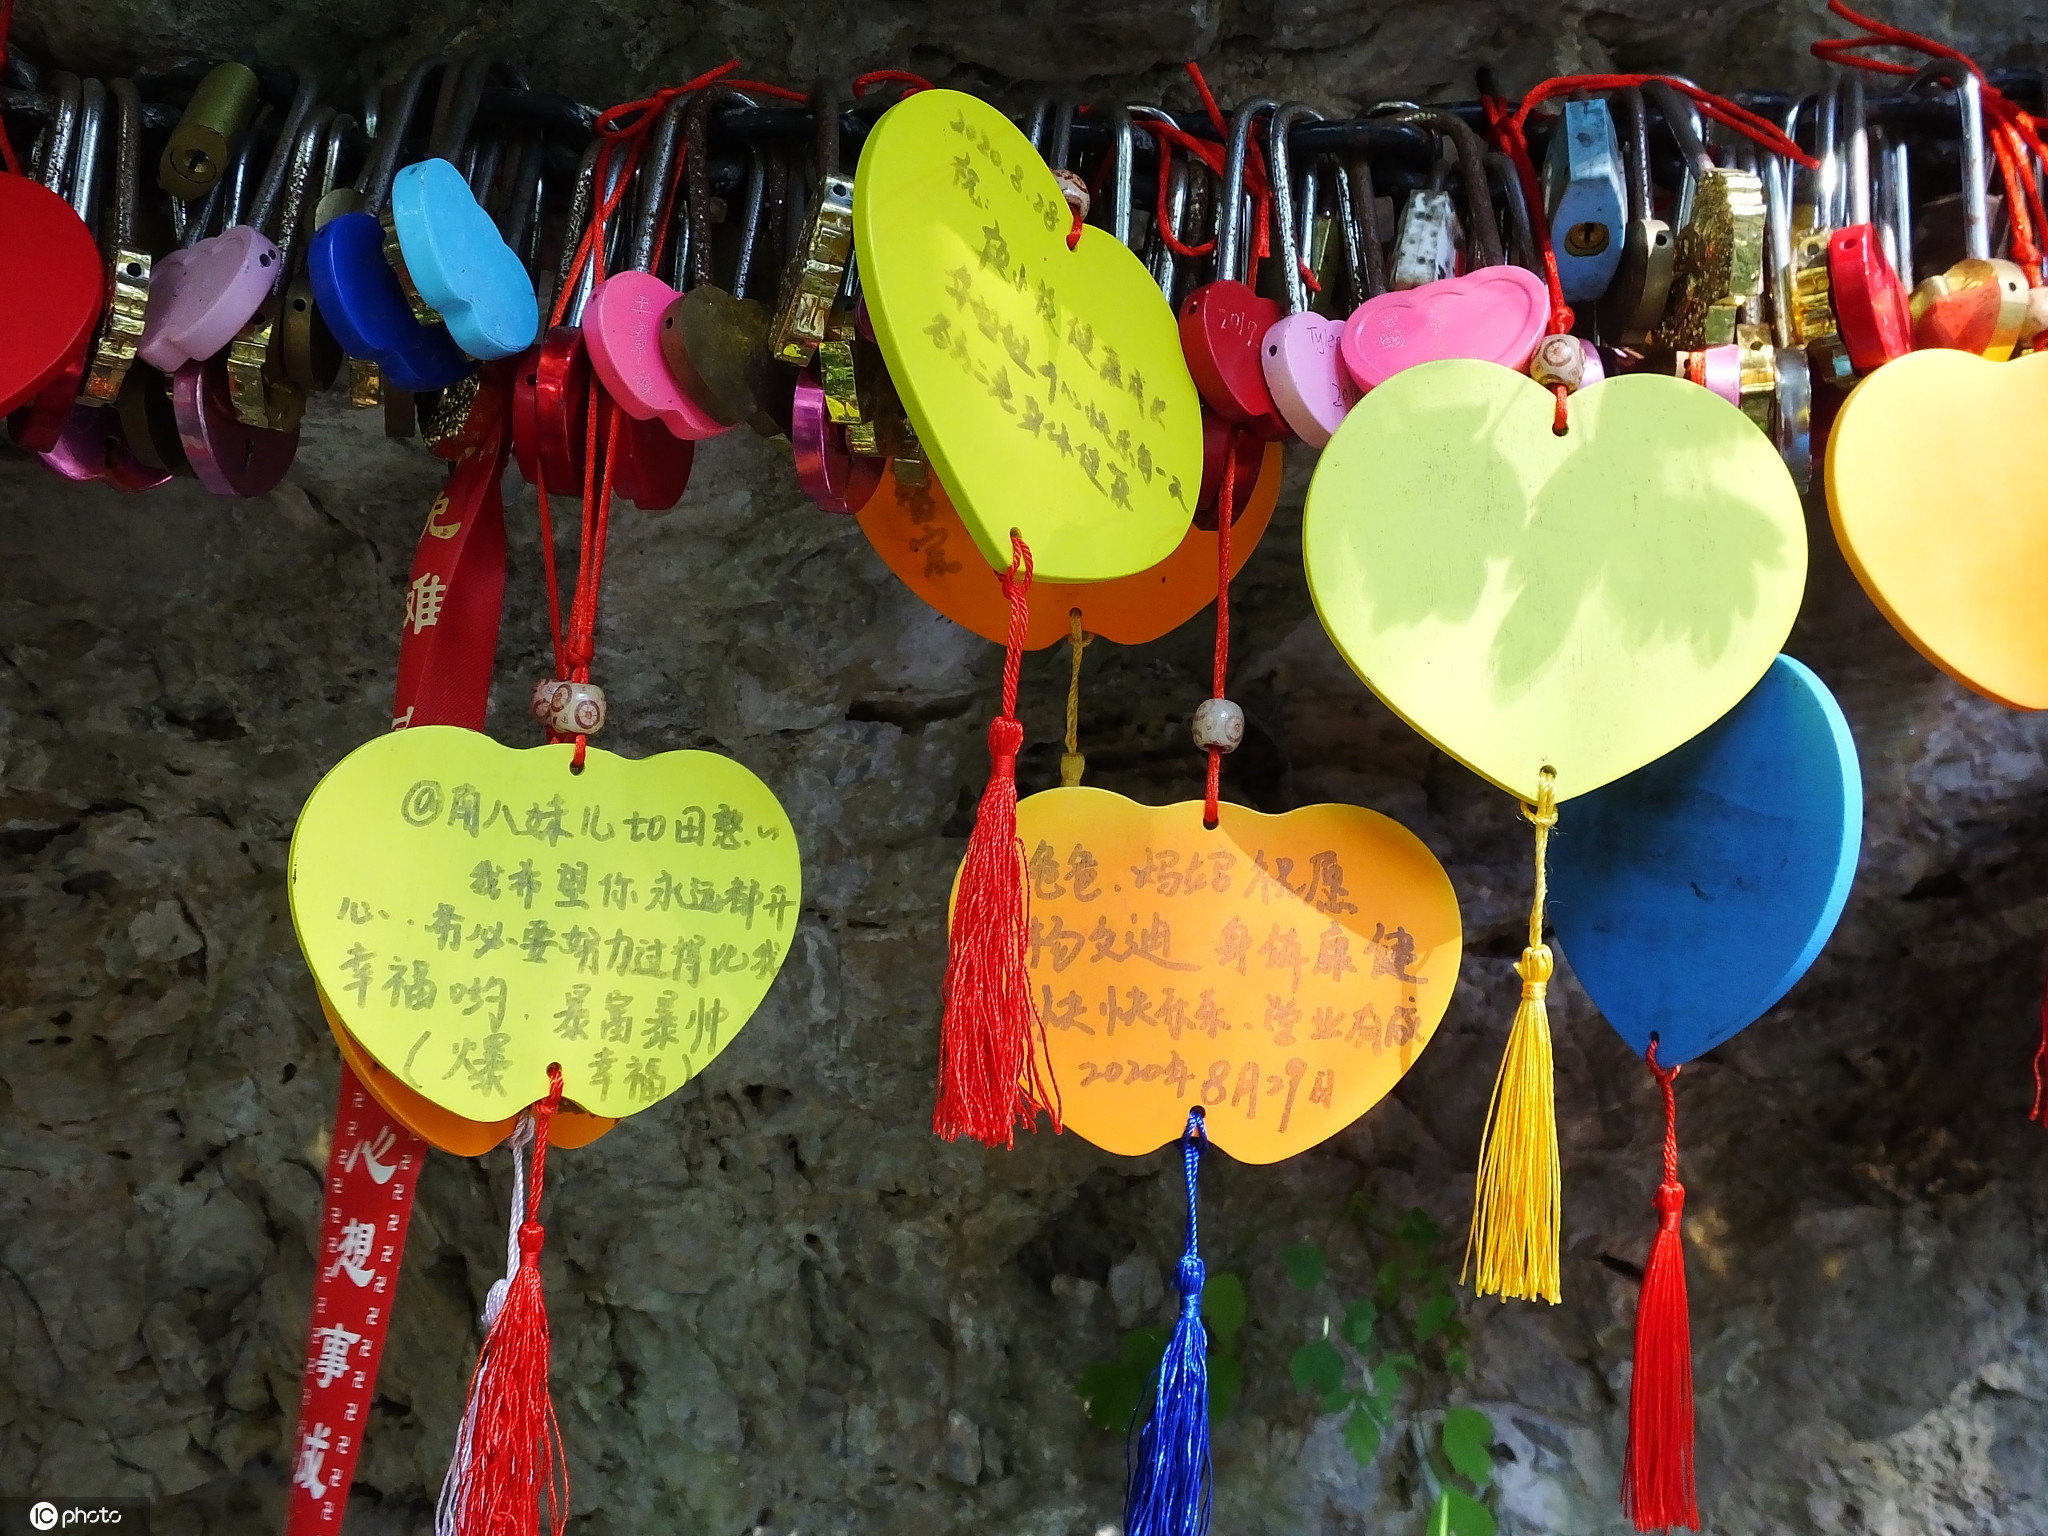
x: 1778, y: 189
x: 1281, y: 171
x: 393, y: 123
x: 462, y: 91
x: 1970, y: 110
x: 1635, y: 157
x: 1856, y: 143
x: 1523, y: 252
x: 303, y: 101
x: 1358, y: 216
x: 586, y: 281
x: 697, y: 175
x: 1123, y: 172
x: 300, y: 183
x: 70, y: 93
x: 85, y: 157
x: 1472, y: 171
x: 1060, y: 148
x: 656, y: 164
x: 127, y: 159
x: 1230, y: 267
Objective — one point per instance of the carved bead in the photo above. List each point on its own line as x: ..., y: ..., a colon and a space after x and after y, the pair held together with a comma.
x: 1559, y: 359
x: 543, y: 706
x: 1218, y: 724
x: 1075, y: 191
x: 579, y: 709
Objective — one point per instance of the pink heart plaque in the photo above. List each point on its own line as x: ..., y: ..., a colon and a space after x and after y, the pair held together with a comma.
x: 1493, y: 315
x: 1305, y: 371
x: 199, y: 298
x: 622, y: 330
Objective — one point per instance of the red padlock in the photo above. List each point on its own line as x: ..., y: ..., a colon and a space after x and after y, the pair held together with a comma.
x: 52, y: 281
x: 650, y: 464
x: 1871, y: 313
x: 1223, y: 323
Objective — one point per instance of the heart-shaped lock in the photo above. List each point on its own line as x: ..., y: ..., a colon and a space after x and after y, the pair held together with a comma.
x: 93, y: 447
x: 919, y: 536
x: 836, y: 479
x: 1494, y: 315
x: 1692, y: 893
x: 1283, y: 972
x: 449, y: 251
x: 359, y: 295
x: 230, y: 457
x: 1223, y: 323
x: 1950, y: 430
x: 1584, y: 602
x: 52, y: 281
x: 474, y: 912
x: 1046, y: 382
x: 650, y: 464
x: 1303, y: 353
x: 551, y: 387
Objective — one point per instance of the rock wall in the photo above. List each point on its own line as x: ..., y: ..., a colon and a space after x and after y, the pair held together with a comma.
x: 780, y: 1305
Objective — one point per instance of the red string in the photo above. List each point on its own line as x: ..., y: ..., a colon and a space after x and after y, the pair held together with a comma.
x: 2040, y: 1110
x: 912, y: 84
x: 1226, y: 507
x: 2012, y: 132
x: 1216, y: 157
x: 1657, y: 1484
x: 6, y: 144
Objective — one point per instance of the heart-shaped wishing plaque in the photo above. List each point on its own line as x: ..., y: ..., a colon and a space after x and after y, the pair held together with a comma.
x: 475, y: 912
x: 1495, y: 314
x: 1281, y: 971
x: 1046, y: 383
x: 1943, y: 516
x: 1691, y: 895
x: 1584, y: 602
x: 918, y: 535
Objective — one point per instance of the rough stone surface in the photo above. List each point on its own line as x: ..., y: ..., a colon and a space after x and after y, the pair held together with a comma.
x: 779, y: 1304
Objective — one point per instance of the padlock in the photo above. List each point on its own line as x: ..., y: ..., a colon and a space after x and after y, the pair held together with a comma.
x: 1365, y: 256
x: 228, y: 456
x: 1871, y: 312
x: 203, y: 143
x: 1792, y: 415
x: 358, y: 293
x: 1633, y: 306
x: 149, y: 426
x: 128, y: 264
x: 1303, y: 354
x: 52, y: 280
x: 1980, y: 303
x: 835, y: 479
x: 1506, y: 187
x: 551, y: 387
x: 850, y: 367
x: 1809, y: 290
x: 1426, y: 235
x: 1160, y: 258
x: 312, y: 356
x: 817, y: 266
x: 448, y: 252
x: 1584, y: 200
x: 1223, y: 323
x: 622, y: 321
x: 260, y: 390
x: 73, y: 158
x: 1718, y: 254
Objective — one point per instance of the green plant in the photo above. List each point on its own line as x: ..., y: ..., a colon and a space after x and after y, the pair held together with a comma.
x: 1112, y: 1391
x: 1403, y: 1343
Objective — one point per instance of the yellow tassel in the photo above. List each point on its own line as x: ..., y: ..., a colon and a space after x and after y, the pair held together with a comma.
x: 1513, y: 1249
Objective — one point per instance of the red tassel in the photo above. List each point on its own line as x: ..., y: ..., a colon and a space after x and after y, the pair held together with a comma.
x: 1657, y: 1489
x: 993, y: 1075
x: 517, y: 1475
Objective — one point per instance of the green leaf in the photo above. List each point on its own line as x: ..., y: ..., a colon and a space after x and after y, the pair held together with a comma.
x: 1418, y: 1230
x: 1142, y: 1348
x: 1226, y: 1382
x: 1338, y: 1401
x: 1440, y: 1517
x: 1317, y: 1367
x: 1110, y: 1392
x: 1386, y: 1381
x: 1223, y: 1305
x: 1433, y: 1315
x: 1457, y: 1362
x: 1468, y: 1517
x: 1359, y: 1318
x: 1405, y: 1363
x: 1381, y: 1408
x: 1468, y: 1443
x: 1304, y: 1262
x: 1387, y: 1285
x: 1362, y: 1436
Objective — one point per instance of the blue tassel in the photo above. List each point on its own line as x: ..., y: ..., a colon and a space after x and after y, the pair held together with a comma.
x: 1168, y: 1490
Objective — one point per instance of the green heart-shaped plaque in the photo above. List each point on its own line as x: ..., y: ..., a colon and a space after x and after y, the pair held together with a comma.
x: 475, y: 912
x: 1047, y: 384
x: 1585, y: 602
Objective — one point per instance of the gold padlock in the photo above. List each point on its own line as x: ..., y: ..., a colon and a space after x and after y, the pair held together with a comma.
x: 203, y: 143
x: 1718, y: 258
x: 128, y: 264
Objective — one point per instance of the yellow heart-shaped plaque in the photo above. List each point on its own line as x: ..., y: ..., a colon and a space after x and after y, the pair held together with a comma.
x: 1943, y: 514
x: 1281, y: 971
x: 1047, y: 384
x: 474, y: 912
x: 1584, y: 602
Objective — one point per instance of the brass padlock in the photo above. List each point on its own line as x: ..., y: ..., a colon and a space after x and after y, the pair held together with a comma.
x: 128, y: 264
x: 817, y: 267
x: 1979, y: 304
x: 213, y: 123
x: 1718, y: 258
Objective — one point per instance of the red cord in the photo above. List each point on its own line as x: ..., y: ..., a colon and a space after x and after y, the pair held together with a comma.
x: 862, y: 84
x: 1216, y: 158
x: 1226, y: 506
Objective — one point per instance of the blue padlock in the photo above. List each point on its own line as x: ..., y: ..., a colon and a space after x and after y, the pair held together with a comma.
x: 1583, y: 199
x: 359, y: 295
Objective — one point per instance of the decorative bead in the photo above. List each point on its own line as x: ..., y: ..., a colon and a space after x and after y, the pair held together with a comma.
x: 1218, y: 724
x: 543, y: 706
x: 1559, y: 359
x: 1075, y: 191
x: 579, y: 709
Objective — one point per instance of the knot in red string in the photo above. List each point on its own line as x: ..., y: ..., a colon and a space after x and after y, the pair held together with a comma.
x: 531, y: 1236
x: 1669, y: 1202
x: 1005, y: 739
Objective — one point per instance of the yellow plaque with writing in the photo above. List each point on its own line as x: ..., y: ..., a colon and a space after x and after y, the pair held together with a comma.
x: 1585, y: 602
x: 474, y: 912
x: 1047, y: 384
x: 1281, y: 971
x: 1942, y: 511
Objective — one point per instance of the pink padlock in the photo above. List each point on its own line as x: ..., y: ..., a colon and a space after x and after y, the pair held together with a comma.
x: 230, y: 457
x: 202, y: 295
x: 93, y: 447
x: 1303, y: 352
x: 622, y: 319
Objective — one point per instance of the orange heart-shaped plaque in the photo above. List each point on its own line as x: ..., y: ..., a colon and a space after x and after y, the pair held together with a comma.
x: 1281, y: 971
x: 921, y: 538
x: 1943, y: 516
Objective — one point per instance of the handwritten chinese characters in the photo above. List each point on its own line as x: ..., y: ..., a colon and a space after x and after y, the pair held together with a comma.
x: 474, y: 913
x: 1046, y: 381
x: 1281, y: 971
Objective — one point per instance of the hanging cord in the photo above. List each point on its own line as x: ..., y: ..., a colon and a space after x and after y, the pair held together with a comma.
x: 2014, y: 134
x: 1072, y: 763
x: 911, y: 83
x: 1226, y: 513
x: 1168, y: 1488
x: 1215, y: 156
x: 1513, y: 1247
x: 1657, y: 1484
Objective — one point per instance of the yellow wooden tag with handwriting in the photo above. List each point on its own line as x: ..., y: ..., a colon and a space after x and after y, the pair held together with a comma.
x: 1584, y: 602
x: 1281, y: 971
x: 474, y: 912
x: 1047, y: 384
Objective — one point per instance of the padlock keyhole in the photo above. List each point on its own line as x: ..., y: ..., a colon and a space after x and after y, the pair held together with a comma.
x: 1588, y: 239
